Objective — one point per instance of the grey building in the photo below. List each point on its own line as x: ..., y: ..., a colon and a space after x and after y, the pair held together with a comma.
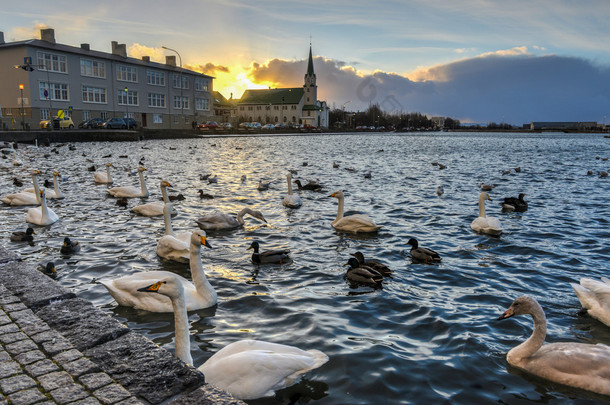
x: 39, y: 77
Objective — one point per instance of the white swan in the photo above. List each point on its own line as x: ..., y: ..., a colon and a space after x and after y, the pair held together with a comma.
x: 291, y: 200
x: 16, y: 160
x: 220, y: 221
x: 155, y: 209
x: 173, y: 246
x: 485, y: 224
x: 131, y: 191
x: 594, y: 296
x: 54, y: 194
x: 352, y: 223
x: 198, y: 294
x: 579, y: 365
x: 42, y: 215
x: 25, y: 197
x: 103, y: 178
x: 247, y: 369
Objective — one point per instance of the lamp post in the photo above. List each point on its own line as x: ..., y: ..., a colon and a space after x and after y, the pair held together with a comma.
x: 181, y: 83
x: 22, y: 109
x: 343, y: 108
x: 28, y: 67
x: 126, y: 108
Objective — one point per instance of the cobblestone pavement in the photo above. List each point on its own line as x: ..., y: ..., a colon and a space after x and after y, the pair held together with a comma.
x: 39, y: 366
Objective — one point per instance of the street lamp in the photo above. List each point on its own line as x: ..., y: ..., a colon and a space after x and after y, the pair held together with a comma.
x: 181, y: 83
x: 28, y: 67
x: 22, y: 109
x: 126, y: 109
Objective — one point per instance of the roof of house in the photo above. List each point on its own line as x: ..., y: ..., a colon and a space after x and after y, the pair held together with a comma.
x: 221, y: 101
x: 272, y: 96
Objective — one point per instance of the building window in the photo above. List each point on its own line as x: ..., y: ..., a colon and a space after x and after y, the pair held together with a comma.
x: 156, y: 100
x: 44, y: 114
x: 104, y: 115
x: 176, y: 81
x: 52, y: 62
x: 181, y: 106
x: 57, y: 91
x: 155, y: 78
x: 94, y: 95
x: 86, y: 115
x: 250, y: 108
x: 241, y: 108
x: 92, y: 68
x: 129, y: 98
x: 202, y: 84
x: 293, y: 107
x: 126, y: 73
x: 202, y: 104
x: 176, y: 119
x: 157, y: 119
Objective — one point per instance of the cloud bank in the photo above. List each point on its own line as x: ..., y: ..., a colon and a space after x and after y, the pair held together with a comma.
x: 506, y: 86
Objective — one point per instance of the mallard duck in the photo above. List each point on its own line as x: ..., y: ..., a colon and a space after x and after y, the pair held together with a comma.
x: 514, y: 204
x: 422, y: 254
x: 69, y: 247
x: 487, y: 187
x: 277, y: 256
x: 579, y: 365
x: 17, y: 182
x: 373, y: 264
x: 205, y: 196
x: 122, y: 202
x: 311, y: 186
x: 485, y: 224
x: 362, y: 274
x: 48, y: 269
x: 352, y: 223
x: 247, y: 369
x: 440, y: 191
x: 23, y: 236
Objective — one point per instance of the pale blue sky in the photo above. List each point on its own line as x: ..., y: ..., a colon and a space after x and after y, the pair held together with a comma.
x: 432, y: 50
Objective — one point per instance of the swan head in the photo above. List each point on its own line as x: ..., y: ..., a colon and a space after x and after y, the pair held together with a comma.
x: 35, y: 172
x: 255, y: 246
x: 141, y: 168
x: 199, y: 238
x: 165, y: 183
x: 484, y: 196
x: 337, y: 194
x: 413, y: 242
x: 168, y: 286
x: 521, y: 306
x: 353, y: 263
x: 359, y: 256
x: 258, y: 215
x: 108, y: 164
x: 42, y: 193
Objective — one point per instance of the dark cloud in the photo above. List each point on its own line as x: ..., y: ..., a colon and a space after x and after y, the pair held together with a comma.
x: 510, y: 88
x: 208, y: 68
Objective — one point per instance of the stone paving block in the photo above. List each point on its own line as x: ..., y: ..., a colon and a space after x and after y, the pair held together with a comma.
x: 111, y: 394
x: 42, y: 367
x: 95, y: 380
x: 45, y: 336
x: 30, y: 357
x: 86, y: 401
x: 55, y: 380
x: 33, y: 288
x: 9, y: 368
x: 20, y: 347
x: 81, y: 366
x: 17, y: 383
x: 4, y: 319
x: 13, y: 337
x: 57, y: 345
x: 128, y: 361
x: 14, y: 307
x: 130, y: 401
x: 4, y: 355
x: 29, y: 322
x: 67, y: 356
x: 8, y: 255
x: 69, y: 393
x: 7, y: 297
x: 80, y: 322
x: 27, y: 397
x: 207, y: 395
x: 9, y: 328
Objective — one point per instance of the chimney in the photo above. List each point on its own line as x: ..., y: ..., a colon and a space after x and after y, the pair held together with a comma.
x: 119, y: 49
x: 85, y: 47
x: 170, y: 60
x: 48, y: 35
x: 1, y: 37
x: 146, y: 58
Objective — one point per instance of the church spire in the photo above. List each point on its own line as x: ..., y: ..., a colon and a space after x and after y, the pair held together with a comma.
x: 310, y: 63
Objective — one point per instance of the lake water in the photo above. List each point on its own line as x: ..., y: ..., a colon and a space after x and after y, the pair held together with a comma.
x: 430, y: 335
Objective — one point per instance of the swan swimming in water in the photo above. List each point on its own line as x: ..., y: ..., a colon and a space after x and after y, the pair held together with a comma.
x: 173, y: 246
x: 217, y: 220
x: 103, y: 178
x: 247, y: 369
x: 352, y: 223
x: 291, y: 200
x: 131, y: 191
x: 25, y: 197
x: 155, y: 209
x: 198, y: 294
x: 594, y: 296
x: 485, y: 224
x: 54, y: 194
x: 42, y: 215
x: 579, y: 365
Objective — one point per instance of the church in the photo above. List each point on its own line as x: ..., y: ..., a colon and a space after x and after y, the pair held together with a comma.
x: 289, y: 106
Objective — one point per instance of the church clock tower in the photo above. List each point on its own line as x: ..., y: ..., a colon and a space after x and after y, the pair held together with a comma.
x: 311, y: 89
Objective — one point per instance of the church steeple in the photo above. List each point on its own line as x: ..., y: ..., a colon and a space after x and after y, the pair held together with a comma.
x: 311, y: 89
x: 310, y: 64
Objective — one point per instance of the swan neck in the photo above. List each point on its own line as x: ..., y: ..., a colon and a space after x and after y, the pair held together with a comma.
x: 164, y: 194
x: 44, y: 209
x: 481, y: 207
x: 340, y: 209
x: 183, y: 343
x: 108, y: 178
x: 167, y: 219
x: 58, y: 193
x: 534, y: 342
x: 240, y: 215
x: 289, y: 185
x: 143, y: 184
x: 36, y: 188
x: 202, y: 285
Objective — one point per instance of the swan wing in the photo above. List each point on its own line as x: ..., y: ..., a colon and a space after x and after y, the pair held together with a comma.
x: 171, y: 248
x: 292, y: 201
x: 125, y: 191
x: 594, y: 296
x: 217, y: 220
x: 356, y: 223
x: 22, y: 198
x: 100, y: 177
x: 153, y: 209
x: 484, y: 225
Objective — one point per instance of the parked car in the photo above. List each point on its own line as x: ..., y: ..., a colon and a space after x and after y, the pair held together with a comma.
x: 114, y: 123
x: 227, y: 125
x: 268, y: 127
x: 58, y: 123
x: 208, y: 126
x: 132, y: 123
x: 91, y: 123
